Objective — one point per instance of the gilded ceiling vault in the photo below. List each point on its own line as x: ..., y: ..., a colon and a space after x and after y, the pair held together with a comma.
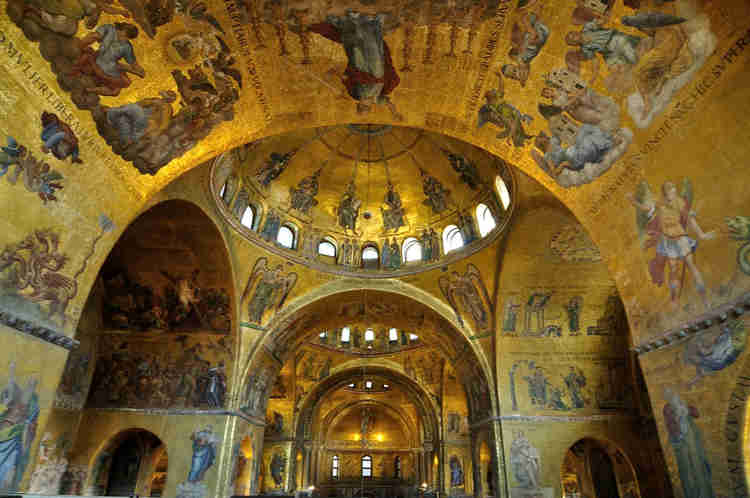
x: 463, y: 247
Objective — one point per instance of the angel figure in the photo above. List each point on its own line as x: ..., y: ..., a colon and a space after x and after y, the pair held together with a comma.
x: 528, y: 37
x: 667, y: 222
x: 467, y: 293
x: 499, y: 112
x: 272, y: 289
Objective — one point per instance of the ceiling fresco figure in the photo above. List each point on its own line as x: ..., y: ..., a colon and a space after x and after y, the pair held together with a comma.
x: 498, y: 111
x: 370, y: 76
x: 674, y: 39
x: 348, y: 209
x: 668, y: 222
x: 465, y: 168
x: 108, y: 66
x: 271, y: 288
x: 438, y: 196
x: 302, y: 198
x: 467, y: 293
x: 147, y: 132
x: 528, y: 37
x: 59, y: 139
x: 272, y: 168
x: 393, y: 216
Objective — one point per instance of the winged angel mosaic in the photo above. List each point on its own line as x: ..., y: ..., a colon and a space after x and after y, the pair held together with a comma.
x: 668, y: 221
x: 467, y: 294
x: 269, y: 288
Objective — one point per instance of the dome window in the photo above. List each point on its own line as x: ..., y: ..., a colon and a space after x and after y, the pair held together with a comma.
x: 327, y: 248
x: 248, y: 218
x: 368, y: 384
x: 370, y: 257
x: 346, y: 335
x: 369, y: 335
x: 452, y: 238
x: 367, y: 466
x: 502, y: 192
x: 411, y: 250
x: 286, y: 236
x: 485, y: 220
x: 393, y: 336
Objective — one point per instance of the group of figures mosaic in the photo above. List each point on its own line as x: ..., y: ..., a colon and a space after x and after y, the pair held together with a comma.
x: 102, y: 61
x: 645, y: 57
x: 692, y: 366
x: 16, y: 160
x: 182, y: 305
x: 127, y: 377
x: 613, y: 321
x: 566, y: 387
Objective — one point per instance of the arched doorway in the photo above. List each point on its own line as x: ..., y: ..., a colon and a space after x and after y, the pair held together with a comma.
x: 134, y: 461
x: 597, y: 469
x: 326, y: 361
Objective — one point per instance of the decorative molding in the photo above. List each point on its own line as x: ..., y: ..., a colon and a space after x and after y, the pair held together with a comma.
x: 716, y: 316
x: 553, y: 418
x: 184, y: 411
x: 601, y: 417
x: 38, y: 331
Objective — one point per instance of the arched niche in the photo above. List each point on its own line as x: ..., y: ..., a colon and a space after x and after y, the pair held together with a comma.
x: 166, y: 302
x: 598, y: 469
x: 382, y: 304
x: 168, y: 271
x: 133, y: 461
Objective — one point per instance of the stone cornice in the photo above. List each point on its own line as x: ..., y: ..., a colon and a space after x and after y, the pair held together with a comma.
x: 553, y: 418
x: 182, y: 411
x: 716, y: 316
x: 40, y: 332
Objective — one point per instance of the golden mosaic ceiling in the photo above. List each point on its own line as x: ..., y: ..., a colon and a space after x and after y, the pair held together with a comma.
x: 392, y: 182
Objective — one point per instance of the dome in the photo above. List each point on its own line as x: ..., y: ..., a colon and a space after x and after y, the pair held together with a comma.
x: 365, y: 199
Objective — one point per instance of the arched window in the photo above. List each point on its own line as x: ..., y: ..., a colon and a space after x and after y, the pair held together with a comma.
x: 413, y: 338
x: 335, y: 467
x: 452, y: 239
x: 411, y: 250
x: 326, y: 247
x: 286, y: 236
x: 370, y: 257
x: 393, y: 335
x: 346, y: 335
x: 248, y: 217
x: 502, y: 192
x: 366, y: 466
x: 323, y: 337
x: 369, y: 335
x: 228, y: 189
x: 368, y: 384
x: 485, y: 220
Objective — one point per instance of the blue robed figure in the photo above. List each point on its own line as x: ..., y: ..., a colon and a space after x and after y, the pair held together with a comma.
x: 204, y: 454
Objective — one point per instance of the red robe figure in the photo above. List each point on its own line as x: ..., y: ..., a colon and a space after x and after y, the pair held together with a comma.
x: 370, y: 76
